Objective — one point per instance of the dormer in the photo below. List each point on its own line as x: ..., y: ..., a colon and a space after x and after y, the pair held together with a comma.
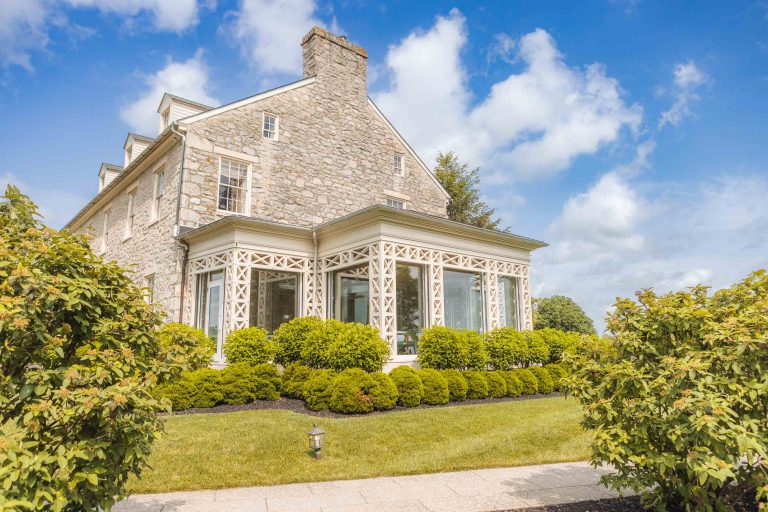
x: 107, y: 173
x: 172, y: 108
x: 134, y: 145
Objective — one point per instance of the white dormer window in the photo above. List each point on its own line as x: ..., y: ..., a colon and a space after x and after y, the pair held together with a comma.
x: 269, y: 127
x: 399, y: 164
x: 128, y: 151
x: 233, y: 186
x: 164, y: 117
x: 396, y: 203
x: 157, y: 193
x: 129, y: 221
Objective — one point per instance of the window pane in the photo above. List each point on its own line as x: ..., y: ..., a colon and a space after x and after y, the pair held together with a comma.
x: 233, y: 186
x: 409, y: 293
x: 463, y: 300
x: 508, y: 301
x: 350, y: 294
x: 274, y: 298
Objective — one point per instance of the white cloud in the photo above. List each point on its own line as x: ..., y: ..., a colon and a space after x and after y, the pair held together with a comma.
x: 188, y: 79
x: 688, y: 78
x: 534, y: 123
x: 172, y: 15
x: 502, y: 48
x: 57, y: 206
x: 22, y: 31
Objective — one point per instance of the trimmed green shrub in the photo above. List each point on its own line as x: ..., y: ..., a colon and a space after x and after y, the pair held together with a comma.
x: 237, y: 384
x: 506, y: 348
x: 206, y: 386
x: 180, y: 393
x: 557, y: 372
x: 351, y: 391
x: 538, y: 351
x: 559, y: 342
x: 457, y: 385
x: 291, y: 336
x: 497, y: 385
x: 409, y: 386
x: 435, y: 387
x: 181, y: 343
x: 317, y: 390
x: 339, y: 346
x: 528, y: 380
x: 544, y: 379
x: 477, y: 386
x: 514, y: 386
x: 443, y: 348
x: 295, y: 376
x: 266, y: 385
x: 249, y: 345
x: 385, y: 395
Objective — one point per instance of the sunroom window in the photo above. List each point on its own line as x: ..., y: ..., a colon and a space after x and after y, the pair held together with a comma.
x: 209, y: 312
x: 350, y: 294
x: 274, y: 298
x: 463, y: 300
x: 508, y: 301
x: 409, y: 298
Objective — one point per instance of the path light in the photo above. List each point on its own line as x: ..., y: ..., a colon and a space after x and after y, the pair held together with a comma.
x: 316, y: 440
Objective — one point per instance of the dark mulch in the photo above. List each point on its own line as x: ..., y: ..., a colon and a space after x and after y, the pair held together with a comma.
x: 630, y: 504
x: 298, y: 406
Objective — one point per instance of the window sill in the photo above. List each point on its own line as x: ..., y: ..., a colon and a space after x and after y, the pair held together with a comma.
x: 153, y: 222
x: 127, y: 237
x: 228, y: 213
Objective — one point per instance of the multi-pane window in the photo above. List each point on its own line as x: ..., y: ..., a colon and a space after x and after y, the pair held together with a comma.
x: 157, y: 192
x: 270, y: 126
x: 508, y: 301
x: 399, y: 164
x: 233, y: 185
x: 350, y: 294
x: 463, y: 300
x: 105, y: 230
x: 131, y: 212
x: 396, y: 203
x: 274, y: 298
x: 150, y: 289
x: 409, y: 299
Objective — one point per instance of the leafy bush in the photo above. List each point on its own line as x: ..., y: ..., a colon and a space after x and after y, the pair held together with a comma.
x: 538, y: 351
x: 187, y: 345
x: 291, y: 336
x: 351, y: 392
x: 543, y: 379
x: 679, y: 395
x: 266, y: 385
x: 206, y: 384
x: 506, y: 348
x: 528, y: 380
x: 457, y: 385
x: 514, y: 386
x: 435, y: 387
x: 385, y: 395
x: 339, y: 346
x: 250, y: 345
x: 497, y: 385
x: 295, y: 376
x: 180, y: 393
x: 443, y: 348
x: 559, y: 312
x: 559, y: 342
x: 558, y: 373
x: 317, y: 390
x: 477, y: 386
x: 237, y: 384
x: 409, y: 386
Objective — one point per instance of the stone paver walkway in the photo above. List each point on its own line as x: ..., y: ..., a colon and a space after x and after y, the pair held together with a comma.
x: 478, y: 490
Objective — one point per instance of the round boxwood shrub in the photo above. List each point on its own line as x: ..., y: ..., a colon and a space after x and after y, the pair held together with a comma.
x: 291, y: 336
x: 185, y: 344
x: 339, y: 346
x: 267, y: 382
x: 443, y: 348
x: 180, y: 393
x: 409, y: 386
x: 497, y: 385
x: 477, y: 386
x: 295, y: 376
x: 351, y: 391
x: 528, y: 380
x: 249, y: 345
x: 544, y: 379
x: 237, y: 384
x: 435, y: 387
x: 506, y: 348
x: 385, y: 395
x: 560, y: 342
x: 514, y: 386
x: 457, y: 385
x: 317, y: 390
x: 206, y: 384
x: 557, y: 372
x: 538, y: 351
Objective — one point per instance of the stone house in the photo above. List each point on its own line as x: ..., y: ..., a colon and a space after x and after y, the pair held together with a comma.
x: 301, y: 200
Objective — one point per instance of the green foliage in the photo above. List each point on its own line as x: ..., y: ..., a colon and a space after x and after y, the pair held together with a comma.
x: 560, y: 342
x: 514, y: 386
x: 339, y: 346
x: 295, y: 376
x: 477, y: 386
x: 183, y: 345
x: 497, y: 384
x: 351, y: 392
x: 558, y: 373
x: 506, y: 348
x: 528, y: 380
x: 435, y: 387
x: 463, y: 187
x: 291, y: 336
x: 538, y: 351
x: 678, y: 397
x: 559, y: 312
x: 317, y: 390
x: 409, y: 386
x: 250, y: 345
x: 236, y: 381
x: 385, y: 395
x: 444, y: 348
x: 266, y: 385
x: 457, y: 385
x: 206, y: 384
x: 543, y: 379
x: 79, y: 357
x: 180, y: 393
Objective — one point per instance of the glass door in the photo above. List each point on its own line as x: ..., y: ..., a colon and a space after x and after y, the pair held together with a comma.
x: 210, y: 307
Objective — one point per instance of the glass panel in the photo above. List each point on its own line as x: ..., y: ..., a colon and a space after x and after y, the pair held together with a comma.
x: 274, y: 298
x: 409, y: 296
x: 463, y: 300
x: 508, y: 301
x: 350, y: 294
x: 212, y: 312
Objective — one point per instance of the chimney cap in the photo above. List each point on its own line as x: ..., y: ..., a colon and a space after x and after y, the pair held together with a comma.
x: 339, y: 40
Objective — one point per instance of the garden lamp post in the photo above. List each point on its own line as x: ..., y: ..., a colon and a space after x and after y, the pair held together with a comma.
x: 316, y: 440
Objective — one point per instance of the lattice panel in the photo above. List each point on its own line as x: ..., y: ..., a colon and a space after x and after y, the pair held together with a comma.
x: 527, y: 309
x: 387, y: 293
x: 374, y: 286
x: 492, y: 296
x: 239, y: 285
x: 436, y: 312
x: 198, y: 266
x: 345, y: 258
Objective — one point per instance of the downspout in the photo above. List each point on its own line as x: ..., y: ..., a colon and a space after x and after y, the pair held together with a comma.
x: 176, y: 228
x: 314, y: 270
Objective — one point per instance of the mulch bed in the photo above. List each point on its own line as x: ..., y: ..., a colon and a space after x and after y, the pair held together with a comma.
x: 629, y: 504
x: 298, y: 406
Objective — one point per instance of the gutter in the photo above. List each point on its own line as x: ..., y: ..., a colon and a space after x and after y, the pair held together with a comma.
x: 315, y: 277
x: 180, y: 244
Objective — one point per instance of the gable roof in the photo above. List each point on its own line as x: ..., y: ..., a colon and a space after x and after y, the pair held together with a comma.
x: 168, y: 96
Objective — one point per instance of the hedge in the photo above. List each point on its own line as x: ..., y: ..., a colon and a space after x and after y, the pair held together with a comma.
x: 538, y: 351
x: 497, y: 385
x: 435, y: 387
x: 340, y: 346
x: 350, y: 393
x: 409, y: 386
x: 528, y: 380
x: 444, y: 348
x: 507, y: 348
x: 317, y: 390
x: 249, y: 345
x: 514, y: 386
x: 291, y: 336
x: 457, y: 385
x: 385, y: 395
x: 543, y: 378
x: 477, y: 386
x: 295, y: 376
x: 557, y: 372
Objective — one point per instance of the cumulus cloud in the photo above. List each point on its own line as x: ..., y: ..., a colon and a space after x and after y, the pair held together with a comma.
x: 175, y: 16
x: 22, y: 31
x: 57, y: 206
x: 188, y: 79
x: 688, y: 79
x: 533, y: 123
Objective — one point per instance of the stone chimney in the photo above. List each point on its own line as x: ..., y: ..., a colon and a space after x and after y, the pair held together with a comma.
x: 336, y: 63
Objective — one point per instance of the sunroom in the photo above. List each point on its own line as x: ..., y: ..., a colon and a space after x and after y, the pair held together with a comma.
x: 399, y: 271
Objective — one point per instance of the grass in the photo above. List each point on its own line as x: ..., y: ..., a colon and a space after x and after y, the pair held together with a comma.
x: 207, y: 451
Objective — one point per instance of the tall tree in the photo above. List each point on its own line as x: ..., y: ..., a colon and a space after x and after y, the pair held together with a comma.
x: 560, y: 312
x: 462, y: 185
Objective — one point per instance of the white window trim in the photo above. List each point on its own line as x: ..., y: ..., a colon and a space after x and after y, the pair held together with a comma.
x: 106, y: 214
x: 247, y: 205
x: 396, y: 199
x: 401, y: 171
x: 154, y: 207
x: 277, y: 126
x: 150, y: 290
x: 130, y: 205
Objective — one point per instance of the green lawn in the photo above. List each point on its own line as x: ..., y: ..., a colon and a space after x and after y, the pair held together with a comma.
x: 206, y: 451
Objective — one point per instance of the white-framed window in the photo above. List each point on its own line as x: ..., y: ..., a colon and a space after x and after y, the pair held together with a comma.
x: 269, y: 126
x: 158, y: 187
x: 233, y: 186
x: 131, y: 213
x: 149, y: 284
x: 399, y: 164
x: 165, y: 116
x: 105, y: 229
x: 396, y: 203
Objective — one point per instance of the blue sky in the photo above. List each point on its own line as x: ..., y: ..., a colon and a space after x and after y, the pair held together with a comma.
x: 630, y: 135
